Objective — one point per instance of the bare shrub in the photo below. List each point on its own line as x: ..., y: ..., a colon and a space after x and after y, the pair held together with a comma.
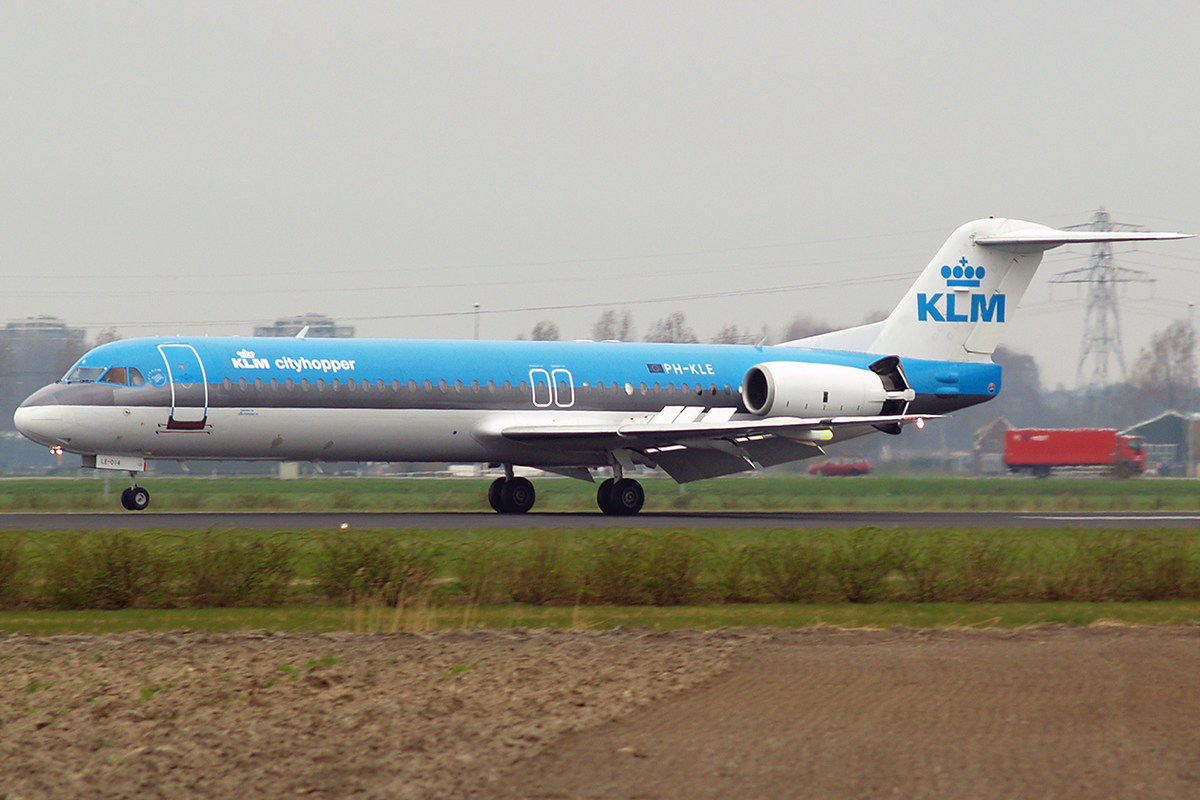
x: 1122, y: 566
x: 109, y: 572
x: 861, y: 561
x: 734, y: 579
x: 221, y: 571
x: 930, y: 573
x: 672, y: 568
x: 542, y: 576
x: 612, y: 570
x: 792, y: 571
x: 985, y: 567
x: 12, y: 573
x: 376, y: 569
x: 483, y: 570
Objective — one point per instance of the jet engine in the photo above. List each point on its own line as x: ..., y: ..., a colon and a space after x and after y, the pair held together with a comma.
x: 802, y: 389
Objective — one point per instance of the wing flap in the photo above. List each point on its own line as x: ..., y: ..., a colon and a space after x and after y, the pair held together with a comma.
x: 629, y: 435
x: 686, y: 464
x: 710, y: 447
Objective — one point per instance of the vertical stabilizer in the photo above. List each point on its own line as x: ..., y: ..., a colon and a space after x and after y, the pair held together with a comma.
x: 959, y: 306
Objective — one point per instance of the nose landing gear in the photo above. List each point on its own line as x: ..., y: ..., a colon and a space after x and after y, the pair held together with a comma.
x: 135, y: 498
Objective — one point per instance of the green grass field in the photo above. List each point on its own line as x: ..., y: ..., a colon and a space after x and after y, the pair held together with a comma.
x: 377, y: 619
x: 750, y: 493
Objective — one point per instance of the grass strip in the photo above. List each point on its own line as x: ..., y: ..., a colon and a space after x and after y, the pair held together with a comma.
x: 708, y: 617
x: 751, y: 493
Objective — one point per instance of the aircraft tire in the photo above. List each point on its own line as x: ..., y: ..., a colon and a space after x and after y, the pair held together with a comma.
x: 139, y: 498
x: 628, y: 497
x: 517, y: 495
x: 494, y: 495
x: 604, y: 497
x: 125, y: 499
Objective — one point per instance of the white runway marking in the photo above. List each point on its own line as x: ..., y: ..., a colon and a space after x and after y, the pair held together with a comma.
x: 1115, y: 517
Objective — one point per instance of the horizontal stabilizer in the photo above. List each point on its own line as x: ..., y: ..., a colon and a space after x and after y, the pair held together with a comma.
x: 1039, y: 239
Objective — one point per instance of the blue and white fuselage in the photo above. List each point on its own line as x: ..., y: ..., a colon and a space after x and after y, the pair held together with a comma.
x: 424, y: 400
x: 696, y: 411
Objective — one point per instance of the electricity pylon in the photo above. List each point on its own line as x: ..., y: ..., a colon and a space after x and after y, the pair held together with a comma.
x: 1102, y: 321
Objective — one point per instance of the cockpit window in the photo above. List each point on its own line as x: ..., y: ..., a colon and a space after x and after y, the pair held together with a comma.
x: 84, y: 375
x: 120, y: 376
x: 117, y: 375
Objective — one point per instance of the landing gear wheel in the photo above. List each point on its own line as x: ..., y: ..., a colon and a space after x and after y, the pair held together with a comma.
x: 125, y: 499
x: 494, y: 492
x: 139, y: 498
x: 604, y: 497
x: 517, y: 496
x: 627, y: 497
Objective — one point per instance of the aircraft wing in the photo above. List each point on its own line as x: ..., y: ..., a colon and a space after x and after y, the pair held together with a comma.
x: 690, y: 447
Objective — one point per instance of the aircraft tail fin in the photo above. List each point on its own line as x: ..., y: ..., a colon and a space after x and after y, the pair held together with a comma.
x: 959, y: 306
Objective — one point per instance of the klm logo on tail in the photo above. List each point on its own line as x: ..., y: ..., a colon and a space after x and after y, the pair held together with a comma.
x: 943, y: 306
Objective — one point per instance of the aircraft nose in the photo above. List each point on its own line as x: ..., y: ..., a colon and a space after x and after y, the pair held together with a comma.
x: 45, y: 425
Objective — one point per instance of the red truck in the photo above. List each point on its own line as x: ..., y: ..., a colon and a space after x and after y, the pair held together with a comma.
x: 842, y: 465
x: 1041, y: 449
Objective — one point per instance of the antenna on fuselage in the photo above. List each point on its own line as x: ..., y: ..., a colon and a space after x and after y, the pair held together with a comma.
x: 303, y: 332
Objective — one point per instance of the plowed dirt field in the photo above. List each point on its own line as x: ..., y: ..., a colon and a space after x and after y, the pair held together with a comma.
x: 1064, y: 712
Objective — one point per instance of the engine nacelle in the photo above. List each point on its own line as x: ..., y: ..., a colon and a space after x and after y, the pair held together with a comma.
x: 801, y: 389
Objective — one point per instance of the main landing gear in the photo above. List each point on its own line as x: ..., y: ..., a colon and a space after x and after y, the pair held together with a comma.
x: 620, y: 497
x: 511, y: 495
x: 135, y: 498
x: 617, y: 496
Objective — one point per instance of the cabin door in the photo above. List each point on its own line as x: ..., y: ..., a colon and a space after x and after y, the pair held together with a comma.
x: 189, y: 387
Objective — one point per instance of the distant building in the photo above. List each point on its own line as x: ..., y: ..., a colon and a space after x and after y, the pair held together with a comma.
x: 1169, y: 440
x: 987, y: 453
x: 319, y: 327
x: 34, y: 352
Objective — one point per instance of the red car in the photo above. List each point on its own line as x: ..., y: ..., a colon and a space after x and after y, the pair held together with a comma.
x: 843, y: 465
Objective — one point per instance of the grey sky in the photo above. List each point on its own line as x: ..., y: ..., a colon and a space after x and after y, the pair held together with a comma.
x: 201, y: 167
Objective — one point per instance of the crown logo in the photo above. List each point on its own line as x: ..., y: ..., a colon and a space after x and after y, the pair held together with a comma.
x: 963, y: 274
x: 245, y: 353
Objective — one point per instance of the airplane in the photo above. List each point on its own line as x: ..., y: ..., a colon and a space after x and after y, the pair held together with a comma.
x: 694, y: 411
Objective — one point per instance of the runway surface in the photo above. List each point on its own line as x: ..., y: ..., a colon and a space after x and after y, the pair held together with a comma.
x: 583, y: 521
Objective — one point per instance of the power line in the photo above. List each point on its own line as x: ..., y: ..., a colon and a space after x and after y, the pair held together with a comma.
x: 867, y: 280
x: 277, y: 291
x: 392, y: 269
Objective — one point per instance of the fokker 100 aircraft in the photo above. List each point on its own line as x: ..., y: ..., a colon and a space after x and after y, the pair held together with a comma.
x: 695, y: 411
